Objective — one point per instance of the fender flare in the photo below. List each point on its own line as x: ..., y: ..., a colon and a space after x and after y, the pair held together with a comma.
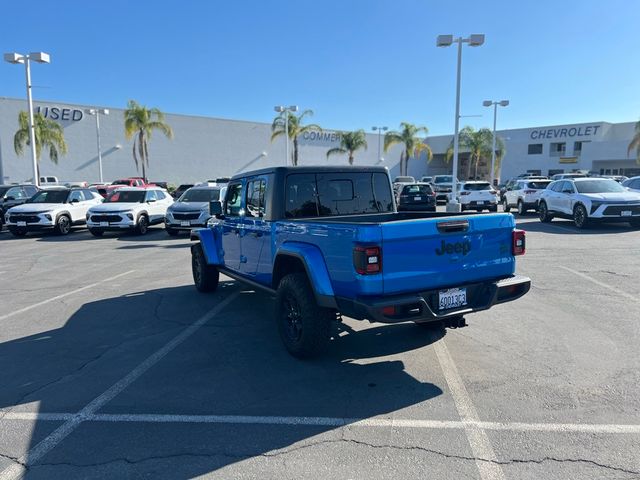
x: 315, y: 267
x: 210, y: 243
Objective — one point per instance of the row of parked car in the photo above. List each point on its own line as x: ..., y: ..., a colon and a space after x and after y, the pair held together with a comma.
x: 26, y: 208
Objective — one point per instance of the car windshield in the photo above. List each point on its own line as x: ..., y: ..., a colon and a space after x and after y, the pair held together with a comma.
x: 539, y: 185
x: 416, y: 190
x: 126, y: 196
x: 477, y: 186
x: 50, y: 196
x: 443, y: 179
x: 599, y: 186
x: 200, y: 195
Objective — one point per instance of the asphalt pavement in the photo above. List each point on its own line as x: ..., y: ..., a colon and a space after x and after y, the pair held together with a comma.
x: 112, y: 365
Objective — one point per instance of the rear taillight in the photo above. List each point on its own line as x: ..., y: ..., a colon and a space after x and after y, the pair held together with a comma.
x: 529, y: 192
x: 519, y: 242
x: 367, y: 260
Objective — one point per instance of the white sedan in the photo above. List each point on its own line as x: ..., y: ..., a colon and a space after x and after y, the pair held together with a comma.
x: 129, y: 209
x: 585, y: 200
x: 54, y: 208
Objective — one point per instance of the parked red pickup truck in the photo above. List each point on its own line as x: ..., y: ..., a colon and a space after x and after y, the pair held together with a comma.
x: 105, y: 190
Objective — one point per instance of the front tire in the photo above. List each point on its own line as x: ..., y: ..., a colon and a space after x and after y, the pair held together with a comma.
x: 543, y: 213
x: 304, y: 327
x: 143, y: 225
x: 580, y: 217
x: 205, y: 277
x: 521, y: 210
x: 505, y: 206
x: 63, y: 225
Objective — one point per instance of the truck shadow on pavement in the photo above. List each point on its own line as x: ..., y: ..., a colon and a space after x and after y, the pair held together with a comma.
x: 560, y: 227
x: 234, y: 365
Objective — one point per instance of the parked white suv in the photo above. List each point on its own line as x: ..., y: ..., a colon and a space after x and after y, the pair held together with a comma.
x: 524, y: 195
x: 589, y: 199
x: 57, y: 208
x: 129, y: 208
x: 477, y: 195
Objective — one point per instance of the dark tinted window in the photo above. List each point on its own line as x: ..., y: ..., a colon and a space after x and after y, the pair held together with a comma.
x: 309, y: 195
x: 50, y: 196
x: 534, y: 148
x: 474, y: 187
x: 417, y: 190
x: 540, y: 185
x: 126, y: 196
x: 200, y: 195
x: 3, y: 191
x: 88, y: 194
x: 443, y: 179
x: 160, y: 195
x: 554, y: 187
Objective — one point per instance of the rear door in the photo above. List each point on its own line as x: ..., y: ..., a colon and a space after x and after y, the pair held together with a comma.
x: 425, y: 254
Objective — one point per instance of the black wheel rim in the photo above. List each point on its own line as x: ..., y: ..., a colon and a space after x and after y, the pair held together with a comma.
x: 292, y: 319
x: 579, y: 216
x: 63, y: 225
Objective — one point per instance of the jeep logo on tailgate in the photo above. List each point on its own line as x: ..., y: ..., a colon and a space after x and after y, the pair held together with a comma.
x: 457, y: 247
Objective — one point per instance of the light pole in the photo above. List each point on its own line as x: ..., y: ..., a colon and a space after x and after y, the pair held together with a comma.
x: 97, y: 112
x: 286, y: 111
x: 488, y: 103
x: 474, y: 40
x: 39, y: 57
x: 379, y: 130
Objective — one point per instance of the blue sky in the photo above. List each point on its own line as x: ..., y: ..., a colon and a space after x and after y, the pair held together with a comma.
x: 356, y: 63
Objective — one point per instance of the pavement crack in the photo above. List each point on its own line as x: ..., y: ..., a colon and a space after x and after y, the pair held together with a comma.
x: 15, y: 460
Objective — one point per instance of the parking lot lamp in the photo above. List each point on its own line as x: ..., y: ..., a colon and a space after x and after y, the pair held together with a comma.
x: 379, y: 130
x: 474, y: 40
x: 488, y: 103
x: 39, y: 57
x: 97, y: 112
x: 286, y: 110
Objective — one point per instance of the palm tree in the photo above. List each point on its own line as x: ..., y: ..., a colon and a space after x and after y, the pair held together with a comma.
x: 635, y: 143
x: 48, y: 134
x: 479, y: 144
x: 140, y: 121
x: 350, y: 142
x: 295, y: 128
x: 413, y: 145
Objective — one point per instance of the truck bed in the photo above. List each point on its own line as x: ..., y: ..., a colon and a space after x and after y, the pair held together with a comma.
x: 378, y: 218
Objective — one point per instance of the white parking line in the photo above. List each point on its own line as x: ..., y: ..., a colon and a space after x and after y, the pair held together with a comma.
x: 58, y: 297
x: 16, y: 470
x: 327, y: 422
x: 602, y: 284
x: 480, y: 445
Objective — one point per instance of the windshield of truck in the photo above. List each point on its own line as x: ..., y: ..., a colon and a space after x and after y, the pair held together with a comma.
x: 443, y: 179
x: 200, y: 195
x: 599, y: 186
x: 326, y: 194
x: 126, y: 196
x: 50, y: 196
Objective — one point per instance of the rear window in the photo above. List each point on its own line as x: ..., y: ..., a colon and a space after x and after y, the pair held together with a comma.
x: 326, y: 194
x: 475, y: 187
x: 443, y: 179
x: 538, y: 185
x: 417, y: 190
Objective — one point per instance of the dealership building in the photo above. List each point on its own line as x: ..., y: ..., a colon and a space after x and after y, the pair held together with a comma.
x: 205, y: 148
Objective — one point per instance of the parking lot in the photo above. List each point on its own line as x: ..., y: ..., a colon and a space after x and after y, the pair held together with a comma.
x: 114, y: 366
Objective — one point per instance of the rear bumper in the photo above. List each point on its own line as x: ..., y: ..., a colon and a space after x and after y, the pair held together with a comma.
x: 422, y: 307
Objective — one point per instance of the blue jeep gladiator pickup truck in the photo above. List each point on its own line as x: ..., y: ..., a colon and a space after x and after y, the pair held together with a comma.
x: 327, y: 241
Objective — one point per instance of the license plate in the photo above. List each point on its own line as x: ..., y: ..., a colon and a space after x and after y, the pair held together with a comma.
x: 22, y: 224
x: 417, y: 199
x: 185, y: 224
x: 104, y: 224
x: 452, y: 298
x: 626, y: 213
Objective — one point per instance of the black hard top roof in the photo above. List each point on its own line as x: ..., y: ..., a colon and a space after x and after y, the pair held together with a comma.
x: 312, y: 169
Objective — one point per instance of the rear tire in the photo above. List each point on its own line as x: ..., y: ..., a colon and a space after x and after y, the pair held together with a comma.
x: 505, y: 206
x: 63, y: 225
x: 96, y: 233
x: 205, y: 277
x: 304, y: 326
x: 543, y: 213
x: 580, y: 217
x: 143, y: 225
x: 521, y: 210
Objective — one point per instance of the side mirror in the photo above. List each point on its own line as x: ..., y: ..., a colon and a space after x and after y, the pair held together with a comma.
x: 151, y: 200
x: 74, y: 200
x: 215, y: 208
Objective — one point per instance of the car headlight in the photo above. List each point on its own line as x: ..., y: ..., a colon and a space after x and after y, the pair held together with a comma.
x: 47, y: 216
x: 595, y: 204
x: 129, y: 215
x: 88, y: 215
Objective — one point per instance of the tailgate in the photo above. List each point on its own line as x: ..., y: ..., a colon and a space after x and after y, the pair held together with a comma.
x: 430, y: 253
